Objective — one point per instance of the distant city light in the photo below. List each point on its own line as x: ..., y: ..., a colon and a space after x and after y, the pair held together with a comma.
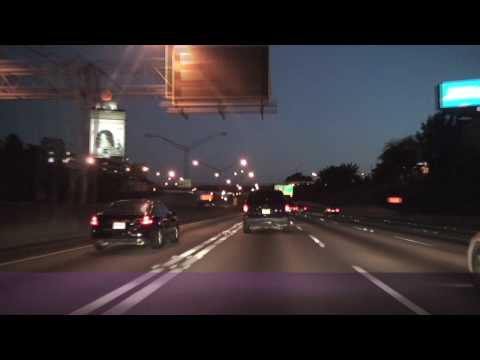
x: 314, y: 174
x: 154, y: 189
x: 171, y: 174
x: 51, y: 160
x: 251, y: 174
x: 235, y: 173
x: 166, y: 184
x: 127, y: 169
x: 145, y: 168
x: 176, y: 184
x: 216, y: 174
x: 229, y: 181
x: 195, y: 162
x: 157, y: 173
x: 181, y: 179
x: 243, y: 162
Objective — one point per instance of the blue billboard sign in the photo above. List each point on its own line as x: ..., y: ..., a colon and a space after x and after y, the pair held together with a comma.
x: 458, y: 94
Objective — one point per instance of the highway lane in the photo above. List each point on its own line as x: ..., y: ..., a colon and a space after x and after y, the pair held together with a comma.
x: 325, y: 268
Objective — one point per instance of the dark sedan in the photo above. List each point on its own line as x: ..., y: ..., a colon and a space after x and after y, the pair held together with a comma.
x: 134, y: 222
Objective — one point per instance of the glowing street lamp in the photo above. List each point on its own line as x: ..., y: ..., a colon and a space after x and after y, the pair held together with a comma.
x: 242, y: 171
x: 314, y: 174
x: 251, y: 174
x: 235, y: 173
x: 195, y: 163
x: 171, y: 173
x: 243, y: 162
x: 90, y: 160
x: 145, y: 168
x: 157, y: 173
x: 216, y: 174
x: 229, y: 181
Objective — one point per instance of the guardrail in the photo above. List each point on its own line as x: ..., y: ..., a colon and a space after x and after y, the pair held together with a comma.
x: 410, y: 225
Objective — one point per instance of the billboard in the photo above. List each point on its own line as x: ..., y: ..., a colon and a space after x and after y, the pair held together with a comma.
x: 200, y: 78
x: 107, y: 133
x: 459, y: 94
x: 287, y: 190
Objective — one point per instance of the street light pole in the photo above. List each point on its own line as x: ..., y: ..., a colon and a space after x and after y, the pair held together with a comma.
x: 186, y: 149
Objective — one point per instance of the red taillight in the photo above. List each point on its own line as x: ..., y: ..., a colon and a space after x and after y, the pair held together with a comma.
x: 245, y: 208
x: 305, y: 208
x: 147, y: 220
x: 287, y: 208
x: 337, y: 210
x: 94, y: 221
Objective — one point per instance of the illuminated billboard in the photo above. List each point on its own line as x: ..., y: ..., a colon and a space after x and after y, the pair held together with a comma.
x: 287, y: 190
x: 459, y: 94
x: 201, y: 78
x: 107, y: 133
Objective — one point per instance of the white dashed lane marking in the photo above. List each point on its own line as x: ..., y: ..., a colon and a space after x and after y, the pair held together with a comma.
x: 396, y: 295
x: 318, y: 242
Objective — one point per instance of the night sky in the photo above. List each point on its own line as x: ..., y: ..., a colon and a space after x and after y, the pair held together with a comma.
x: 335, y: 104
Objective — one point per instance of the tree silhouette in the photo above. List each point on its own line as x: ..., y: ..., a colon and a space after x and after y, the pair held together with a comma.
x: 397, y: 161
x: 339, y: 177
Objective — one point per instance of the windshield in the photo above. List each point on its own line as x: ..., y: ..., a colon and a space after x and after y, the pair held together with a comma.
x: 239, y: 179
x: 128, y: 208
x: 260, y: 198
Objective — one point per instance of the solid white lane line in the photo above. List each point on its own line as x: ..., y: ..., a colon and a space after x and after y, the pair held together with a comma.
x: 299, y: 228
x: 157, y: 269
x: 318, y: 242
x: 396, y: 295
x: 45, y: 255
x: 413, y: 241
x: 142, y: 294
x: 98, y: 303
x: 177, y: 258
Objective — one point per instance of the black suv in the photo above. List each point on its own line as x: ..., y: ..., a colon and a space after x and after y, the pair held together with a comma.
x: 134, y: 222
x: 266, y: 209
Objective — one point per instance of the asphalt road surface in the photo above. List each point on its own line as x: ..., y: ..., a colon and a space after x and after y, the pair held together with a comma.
x: 324, y: 267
